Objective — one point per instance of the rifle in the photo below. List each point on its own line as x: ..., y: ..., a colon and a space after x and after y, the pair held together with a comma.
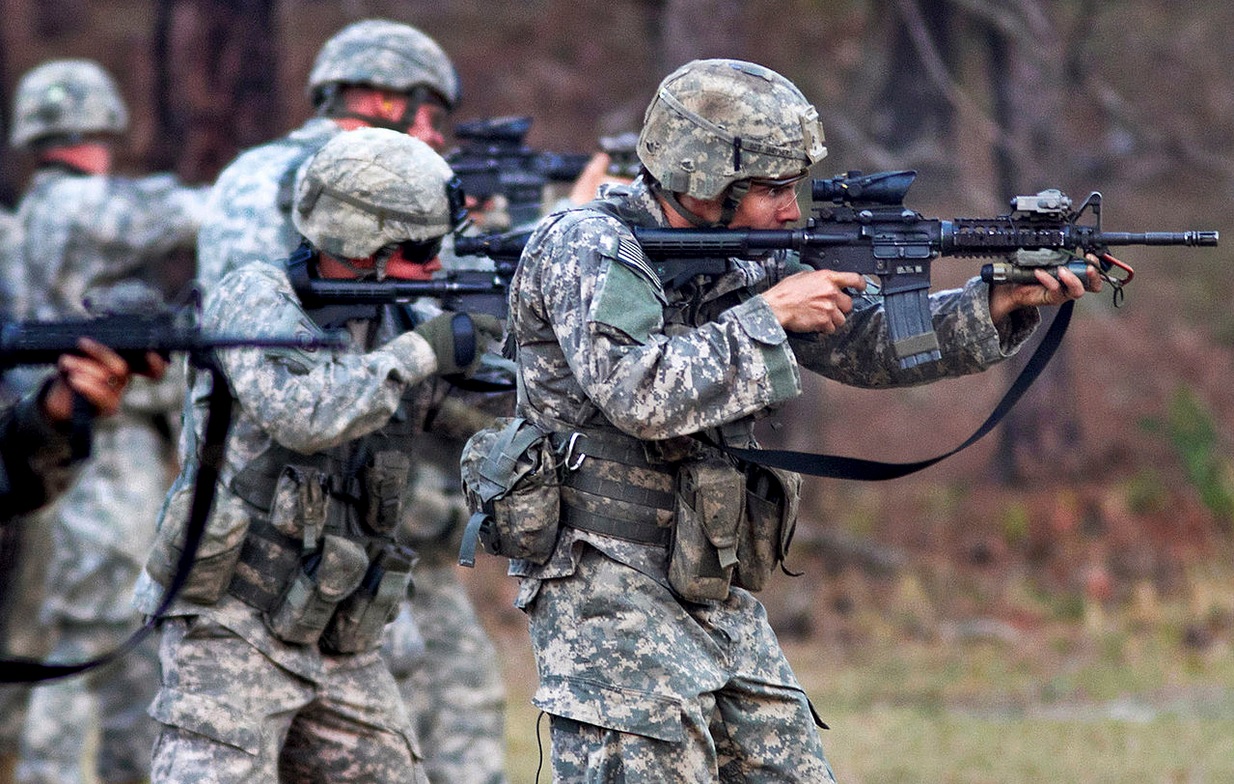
x: 484, y: 291
x: 860, y: 224
x: 131, y: 335
x: 622, y: 151
x: 493, y: 159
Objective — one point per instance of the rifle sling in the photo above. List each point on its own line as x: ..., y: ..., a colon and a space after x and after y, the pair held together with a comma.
x: 218, y: 421
x: 842, y: 467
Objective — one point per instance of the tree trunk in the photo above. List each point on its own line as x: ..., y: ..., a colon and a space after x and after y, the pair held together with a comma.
x: 216, y: 83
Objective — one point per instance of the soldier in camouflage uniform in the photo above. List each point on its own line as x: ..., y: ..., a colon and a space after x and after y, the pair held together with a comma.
x: 373, y: 73
x: 85, y: 231
x: 655, y: 662
x: 385, y: 74
x: 270, y: 659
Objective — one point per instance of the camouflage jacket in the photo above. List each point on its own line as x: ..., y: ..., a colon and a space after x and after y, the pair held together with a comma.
x: 82, y: 231
x: 35, y: 460
x: 305, y: 401
x: 603, y: 345
x: 248, y: 215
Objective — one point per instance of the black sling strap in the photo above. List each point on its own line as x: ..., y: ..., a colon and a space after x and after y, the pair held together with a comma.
x: 841, y: 467
x: 218, y: 421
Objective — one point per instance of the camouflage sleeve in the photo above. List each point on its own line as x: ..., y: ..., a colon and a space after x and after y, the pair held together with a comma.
x: 35, y: 459
x: 606, y: 308
x: 307, y: 400
x: 861, y: 354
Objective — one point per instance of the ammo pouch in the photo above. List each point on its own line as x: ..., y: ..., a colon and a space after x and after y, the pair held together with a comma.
x: 509, y: 473
x: 386, y: 483
x: 708, y: 520
x: 325, y: 578
x: 361, y: 618
x: 772, y: 497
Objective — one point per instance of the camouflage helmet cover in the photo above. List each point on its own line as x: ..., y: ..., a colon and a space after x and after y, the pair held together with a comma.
x: 384, y: 54
x: 69, y: 98
x: 369, y: 188
x: 716, y: 122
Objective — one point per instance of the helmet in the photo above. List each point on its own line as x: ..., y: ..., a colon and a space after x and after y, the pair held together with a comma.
x: 387, y: 55
x: 372, y: 187
x: 716, y: 122
x: 68, y: 98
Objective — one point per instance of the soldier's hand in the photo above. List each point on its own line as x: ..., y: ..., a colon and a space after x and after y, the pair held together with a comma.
x: 1047, y: 292
x: 98, y: 374
x: 815, y: 301
x: 459, y: 339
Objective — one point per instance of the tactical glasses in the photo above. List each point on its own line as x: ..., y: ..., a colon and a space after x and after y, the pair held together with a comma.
x: 781, y: 191
x: 420, y: 252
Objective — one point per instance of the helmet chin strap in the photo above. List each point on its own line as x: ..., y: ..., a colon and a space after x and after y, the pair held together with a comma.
x: 728, y: 207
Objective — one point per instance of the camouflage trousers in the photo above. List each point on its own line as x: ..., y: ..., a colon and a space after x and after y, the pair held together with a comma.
x: 643, y: 687
x: 62, y: 713
x: 230, y: 714
x: 454, y: 689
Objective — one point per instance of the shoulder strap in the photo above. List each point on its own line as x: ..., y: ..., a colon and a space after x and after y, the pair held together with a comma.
x: 218, y: 422
x: 841, y: 467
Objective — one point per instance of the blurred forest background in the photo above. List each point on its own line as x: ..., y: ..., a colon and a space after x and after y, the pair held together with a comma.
x: 1078, y: 557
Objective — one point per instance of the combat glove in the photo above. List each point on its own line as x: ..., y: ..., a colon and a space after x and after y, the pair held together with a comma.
x: 459, y: 340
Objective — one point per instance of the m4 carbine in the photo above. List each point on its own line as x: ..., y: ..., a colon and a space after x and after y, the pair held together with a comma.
x: 493, y: 159
x: 131, y: 335
x: 860, y: 224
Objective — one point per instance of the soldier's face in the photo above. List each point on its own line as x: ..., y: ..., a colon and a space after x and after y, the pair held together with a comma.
x: 767, y: 206
x: 427, y: 124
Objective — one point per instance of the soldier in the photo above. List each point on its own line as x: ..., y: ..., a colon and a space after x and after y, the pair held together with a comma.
x: 384, y: 74
x: 372, y: 73
x: 655, y: 662
x: 84, y: 230
x: 271, y: 668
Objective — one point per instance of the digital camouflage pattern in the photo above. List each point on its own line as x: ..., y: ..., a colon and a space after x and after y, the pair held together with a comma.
x: 713, y: 122
x: 65, y: 98
x: 83, y: 235
x: 232, y: 714
x: 368, y: 190
x: 602, y: 346
x: 122, y: 691
x: 230, y: 673
x: 249, y: 219
x: 248, y: 214
x: 387, y: 55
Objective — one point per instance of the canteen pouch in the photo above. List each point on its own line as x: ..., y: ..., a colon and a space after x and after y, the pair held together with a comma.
x: 325, y: 578
x: 509, y: 473
x: 708, y: 516
x: 217, y: 554
x: 385, y: 485
x: 772, y: 497
x: 361, y: 618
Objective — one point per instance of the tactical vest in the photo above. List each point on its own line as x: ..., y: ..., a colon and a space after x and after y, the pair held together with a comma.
x: 320, y: 560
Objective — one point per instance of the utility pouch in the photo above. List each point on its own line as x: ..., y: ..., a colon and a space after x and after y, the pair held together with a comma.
x: 298, y: 507
x: 509, y: 473
x: 325, y: 578
x: 772, y: 498
x: 361, y: 618
x: 708, y: 516
x: 385, y: 485
x: 217, y: 554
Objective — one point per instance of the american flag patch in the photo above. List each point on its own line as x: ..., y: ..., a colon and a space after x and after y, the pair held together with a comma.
x: 630, y: 253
